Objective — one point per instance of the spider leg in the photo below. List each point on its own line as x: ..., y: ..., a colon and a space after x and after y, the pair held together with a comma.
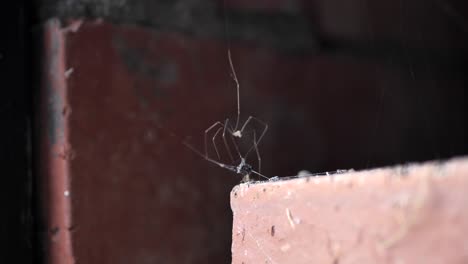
x: 214, y: 143
x: 232, y: 139
x: 265, y: 128
x: 255, y: 145
x: 261, y: 175
x: 234, y: 77
x: 217, y: 123
x: 222, y: 165
x: 258, y: 154
x: 231, y: 129
x: 228, y: 149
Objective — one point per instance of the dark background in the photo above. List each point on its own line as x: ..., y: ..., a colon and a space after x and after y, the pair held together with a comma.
x: 342, y: 84
x: 16, y: 188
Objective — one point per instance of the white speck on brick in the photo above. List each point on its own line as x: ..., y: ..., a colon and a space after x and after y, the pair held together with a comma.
x: 68, y: 73
x: 285, y: 247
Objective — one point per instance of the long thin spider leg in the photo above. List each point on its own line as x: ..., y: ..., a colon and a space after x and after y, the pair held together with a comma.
x: 245, y: 124
x: 232, y: 139
x: 265, y: 128
x: 214, y: 143
x: 234, y: 77
x: 206, y: 135
x: 231, y: 129
x: 259, y: 174
x: 235, y: 146
x: 228, y: 149
x: 222, y: 165
x: 258, y: 154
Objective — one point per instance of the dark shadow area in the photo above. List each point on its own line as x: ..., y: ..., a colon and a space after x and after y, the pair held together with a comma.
x: 17, y: 241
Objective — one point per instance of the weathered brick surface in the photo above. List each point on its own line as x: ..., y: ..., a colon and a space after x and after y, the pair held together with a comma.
x: 404, y: 214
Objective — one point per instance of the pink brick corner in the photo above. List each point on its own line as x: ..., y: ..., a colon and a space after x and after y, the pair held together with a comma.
x: 404, y: 214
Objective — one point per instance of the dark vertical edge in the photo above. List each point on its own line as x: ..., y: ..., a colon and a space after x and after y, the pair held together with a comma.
x: 16, y: 242
x: 37, y: 40
x: 28, y: 60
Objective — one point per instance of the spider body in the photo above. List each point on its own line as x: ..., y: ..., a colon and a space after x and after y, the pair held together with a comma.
x: 244, y: 168
x: 237, y: 133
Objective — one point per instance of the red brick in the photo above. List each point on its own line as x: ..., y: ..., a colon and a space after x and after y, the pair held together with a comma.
x: 404, y: 214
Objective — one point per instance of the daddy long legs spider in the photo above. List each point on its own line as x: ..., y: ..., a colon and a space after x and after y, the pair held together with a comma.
x: 234, y: 133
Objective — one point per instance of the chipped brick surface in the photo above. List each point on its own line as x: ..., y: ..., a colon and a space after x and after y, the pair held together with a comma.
x: 405, y: 214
